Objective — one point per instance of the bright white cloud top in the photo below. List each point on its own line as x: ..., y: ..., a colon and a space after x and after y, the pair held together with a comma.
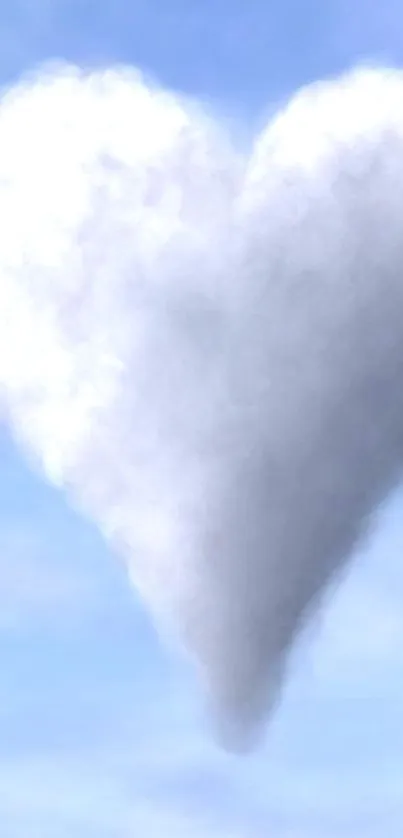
x: 205, y: 346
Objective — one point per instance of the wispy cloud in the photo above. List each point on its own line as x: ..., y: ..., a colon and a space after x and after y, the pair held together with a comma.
x: 62, y: 793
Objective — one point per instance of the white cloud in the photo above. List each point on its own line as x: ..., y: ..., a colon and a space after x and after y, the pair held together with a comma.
x: 216, y: 384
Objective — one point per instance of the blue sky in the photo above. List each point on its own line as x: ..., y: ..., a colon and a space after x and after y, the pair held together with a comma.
x: 102, y: 733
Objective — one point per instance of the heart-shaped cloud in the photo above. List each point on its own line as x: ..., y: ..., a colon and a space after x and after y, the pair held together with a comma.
x: 205, y: 347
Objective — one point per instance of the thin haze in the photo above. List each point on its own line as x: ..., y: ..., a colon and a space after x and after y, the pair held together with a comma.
x: 204, y: 346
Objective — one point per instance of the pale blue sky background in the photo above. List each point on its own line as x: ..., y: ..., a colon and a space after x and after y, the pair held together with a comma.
x: 101, y: 730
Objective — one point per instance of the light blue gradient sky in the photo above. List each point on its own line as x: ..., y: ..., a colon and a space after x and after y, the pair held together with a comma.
x: 102, y: 732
